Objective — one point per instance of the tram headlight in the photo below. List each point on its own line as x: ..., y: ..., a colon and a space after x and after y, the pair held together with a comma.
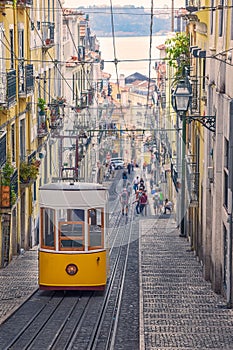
x: 71, y: 269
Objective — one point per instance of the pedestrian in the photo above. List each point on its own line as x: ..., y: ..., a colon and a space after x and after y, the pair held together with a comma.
x: 137, y: 200
x: 160, y: 200
x: 124, y: 177
x: 151, y: 183
x: 167, y: 206
x: 135, y: 183
x: 129, y: 188
x: 129, y: 168
x: 132, y: 165
x: 124, y: 200
x: 113, y: 170
x: 141, y: 184
x: 156, y: 203
x: 142, y: 202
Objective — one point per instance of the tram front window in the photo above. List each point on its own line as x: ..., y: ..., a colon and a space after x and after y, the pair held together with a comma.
x: 71, y: 230
x: 47, y: 228
x: 96, y: 227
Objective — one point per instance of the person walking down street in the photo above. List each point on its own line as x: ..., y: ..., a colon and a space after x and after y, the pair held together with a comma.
x: 137, y: 200
x: 156, y: 203
x: 151, y: 183
x: 136, y: 183
x: 167, y: 206
x: 124, y: 200
x: 129, y: 168
x: 143, y: 202
x: 124, y: 178
x: 129, y: 188
x: 141, y: 184
x: 111, y: 169
x: 132, y: 165
x: 160, y: 200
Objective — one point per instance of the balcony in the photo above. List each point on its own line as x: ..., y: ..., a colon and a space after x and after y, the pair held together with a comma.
x: 8, y: 88
x: 86, y: 99
x: 47, y: 34
x: 26, y: 80
x: 4, y: 2
x: 25, y: 3
x: 193, y: 5
x: 56, y: 114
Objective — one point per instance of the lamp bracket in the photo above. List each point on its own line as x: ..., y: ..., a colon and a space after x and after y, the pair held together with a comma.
x: 208, y: 121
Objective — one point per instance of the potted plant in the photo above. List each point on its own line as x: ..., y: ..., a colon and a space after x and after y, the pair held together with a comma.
x: 41, y: 105
x: 28, y: 171
x: 6, y: 173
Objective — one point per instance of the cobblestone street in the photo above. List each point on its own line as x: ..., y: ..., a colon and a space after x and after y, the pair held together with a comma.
x: 17, y: 282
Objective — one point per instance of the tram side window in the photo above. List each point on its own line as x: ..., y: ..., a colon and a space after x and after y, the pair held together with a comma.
x: 48, y: 227
x: 96, y: 228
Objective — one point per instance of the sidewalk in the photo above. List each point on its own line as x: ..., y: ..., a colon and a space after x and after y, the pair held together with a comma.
x: 18, y: 281
x: 178, y: 309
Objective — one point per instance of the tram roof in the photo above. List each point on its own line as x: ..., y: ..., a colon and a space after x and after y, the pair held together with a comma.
x: 73, y: 186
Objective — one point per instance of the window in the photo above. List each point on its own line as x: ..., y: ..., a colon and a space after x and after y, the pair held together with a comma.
x: 96, y: 229
x: 47, y: 228
x: 22, y: 139
x: 13, y: 142
x: 3, y: 157
x: 225, y: 189
x: 71, y: 229
x: 226, y: 153
x: 12, y: 48
x: 220, y: 19
x: 21, y: 43
x: 212, y: 17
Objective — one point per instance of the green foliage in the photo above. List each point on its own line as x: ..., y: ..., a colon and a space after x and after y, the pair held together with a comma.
x: 177, y: 49
x: 41, y: 104
x: 6, y: 173
x: 28, y: 172
x: 13, y: 197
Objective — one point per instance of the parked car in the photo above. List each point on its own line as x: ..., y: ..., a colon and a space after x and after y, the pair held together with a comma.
x: 119, y: 164
x: 112, y: 160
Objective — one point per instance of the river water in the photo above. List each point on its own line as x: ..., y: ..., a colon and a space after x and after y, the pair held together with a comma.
x: 132, y: 54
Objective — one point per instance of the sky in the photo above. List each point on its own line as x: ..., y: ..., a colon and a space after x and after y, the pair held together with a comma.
x: 144, y: 3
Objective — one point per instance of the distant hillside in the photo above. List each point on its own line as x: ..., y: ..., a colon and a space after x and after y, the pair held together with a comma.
x: 128, y: 21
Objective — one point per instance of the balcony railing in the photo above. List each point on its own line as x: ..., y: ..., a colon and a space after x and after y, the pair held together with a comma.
x: 3, y: 2
x: 56, y: 115
x: 47, y: 34
x: 8, y: 88
x: 193, y: 5
x: 26, y: 79
x: 24, y: 2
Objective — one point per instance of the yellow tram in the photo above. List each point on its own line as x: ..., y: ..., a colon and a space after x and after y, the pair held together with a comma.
x: 73, y: 249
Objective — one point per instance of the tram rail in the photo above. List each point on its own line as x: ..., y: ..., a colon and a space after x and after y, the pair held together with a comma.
x: 60, y: 320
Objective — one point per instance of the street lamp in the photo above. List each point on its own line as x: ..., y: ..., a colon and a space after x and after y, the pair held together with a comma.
x: 181, y: 99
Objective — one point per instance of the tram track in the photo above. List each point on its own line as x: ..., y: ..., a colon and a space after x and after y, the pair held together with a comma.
x: 79, y: 320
